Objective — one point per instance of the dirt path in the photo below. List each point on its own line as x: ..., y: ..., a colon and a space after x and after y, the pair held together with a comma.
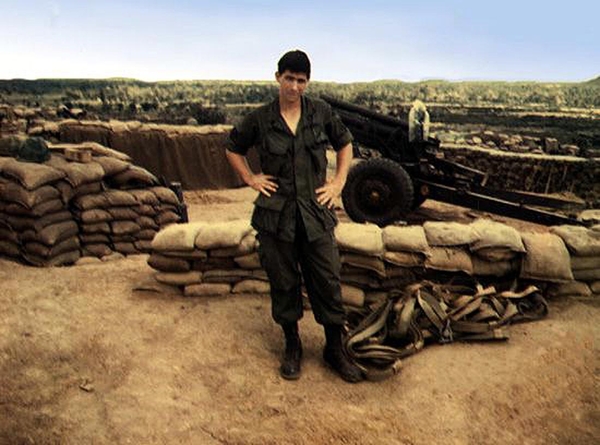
x: 86, y: 359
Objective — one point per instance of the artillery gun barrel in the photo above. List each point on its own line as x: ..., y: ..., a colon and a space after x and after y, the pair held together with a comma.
x: 346, y: 106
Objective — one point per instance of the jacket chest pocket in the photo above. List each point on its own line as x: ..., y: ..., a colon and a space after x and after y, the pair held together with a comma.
x: 275, y: 153
x: 317, y: 143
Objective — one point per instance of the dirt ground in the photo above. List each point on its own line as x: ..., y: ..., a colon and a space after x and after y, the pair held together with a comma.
x: 85, y: 358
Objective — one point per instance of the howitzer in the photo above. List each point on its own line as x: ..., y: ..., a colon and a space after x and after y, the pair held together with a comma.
x: 410, y: 168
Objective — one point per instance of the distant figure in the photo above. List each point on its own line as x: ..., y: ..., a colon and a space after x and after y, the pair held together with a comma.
x: 293, y: 211
x: 418, y: 122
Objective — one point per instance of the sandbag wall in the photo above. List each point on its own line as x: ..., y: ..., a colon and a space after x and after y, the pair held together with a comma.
x: 539, y: 173
x: 55, y: 212
x: 191, y: 155
x: 220, y: 258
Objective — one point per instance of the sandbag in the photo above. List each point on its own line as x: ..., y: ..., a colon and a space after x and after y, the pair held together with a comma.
x: 9, y: 248
x: 122, y: 213
x: 62, y: 259
x: 102, y: 227
x: 587, y: 274
x: 94, y: 216
x: 482, y: 267
x: 225, y: 276
x: 569, y: 288
x: 247, y: 245
x: 225, y: 234
x: 496, y: 254
x: 97, y: 250
x: 88, y: 188
x: 146, y: 234
x: 165, y: 195
x: 14, y: 192
x: 52, y: 234
x: 177, y: 237
x: 145, y: 196
x: 249, y: 261
x: 361, y: 238
x: 126, y: 248
x: 133, y: 177
x: 547, y: 258
x: 168, y: 264
x: 595, y: 286
x: 124, y: 227
x: 206, y: 289
x: 94, y: 238
x: 39, y: 210
x: 164, y: 218
x: 77, y: 173
x: 146, y: 222
x: 488, y: 234
x: 91, y: 201
x: 579, y: 240
x: 405, y: 259
x: 251, y: 286
x: 447, y: 234
x: 118, y: 198
x: 111, y: 166
x: 31, y: 175
x: 179, y: 279
x: 143, y: 245
x: 451, y: 259
x: 405, y: 239
x: 585, y: 262
x: 44, y: 251
x: 353, y: 296
x: 364, y: 262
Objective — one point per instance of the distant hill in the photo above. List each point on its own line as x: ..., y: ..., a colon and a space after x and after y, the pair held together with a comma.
x: 595, y: 81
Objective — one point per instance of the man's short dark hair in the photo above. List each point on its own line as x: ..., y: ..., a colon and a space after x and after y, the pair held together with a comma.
x: 295, y: 61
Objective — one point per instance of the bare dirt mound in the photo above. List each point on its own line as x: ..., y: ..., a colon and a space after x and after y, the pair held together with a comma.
x: 84, y: 358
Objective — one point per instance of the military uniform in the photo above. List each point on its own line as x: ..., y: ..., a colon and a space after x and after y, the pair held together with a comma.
x: 293, y: 228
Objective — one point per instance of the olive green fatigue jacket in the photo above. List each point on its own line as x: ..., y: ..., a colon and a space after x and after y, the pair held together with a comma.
x: 298, y: 162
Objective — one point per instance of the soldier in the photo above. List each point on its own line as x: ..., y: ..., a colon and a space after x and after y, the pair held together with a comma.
x: 293, y: 212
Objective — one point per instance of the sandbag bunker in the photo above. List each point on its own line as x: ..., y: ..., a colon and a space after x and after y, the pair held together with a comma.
x: 402, y: 285
x: 99, y: 205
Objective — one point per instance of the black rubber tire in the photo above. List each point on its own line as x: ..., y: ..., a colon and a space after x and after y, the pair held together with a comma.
x: 418, y: 197
x: 379, y: 191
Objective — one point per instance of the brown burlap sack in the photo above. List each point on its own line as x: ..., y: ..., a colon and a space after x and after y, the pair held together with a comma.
x: 488, y: 234
x: 579, y: 240
x: 587, y: 274
x: 498, y: 254
x: 14, y: 192
x: 406, y: 259
x: 39, y: 210
x: 122, y: 213
x: 164, y: 218
x: 247, y: 245
x: 451, y: 259
x: 111, y: 166
x: 399, y: 282
x: 77, y: 173
x: 88, y: 189
x: 225, y: 276
x: 145, y: 222
x: 67, y: 193
x: 97, y: 250
x: 124, y: 227
x: 7, y: 233
x: 31, y: 175
x: 44, y: 251
x: 120, y: 198
x: 585, y: 262
x: 94, y: 216
x: 52, y: 234
x: 165, y: 195
x: 250, y: 286
x: 211, y: 263
x: 144, y: 196
x: 569, y: 288
x: 260, y: 274
x: 177, y: 237
x: 146, y: 234
x: 405, y: 239
x: 398, y: 272
x: 125, y: 238
x: 361, y: 238
x: 595, y: 286
x: 62, y: 259
x: 442, y: 233
x: 179, y: 279
x: 145, y: 210
x: 91, y: 201
x: 126, y: 248
x: 22, y: 223
x: 134, y: 177
x: 9, y: 248
x: 353, y: 296
x: 102, y: 227
x: 484, y: 268
x: 361, y: 280
x: 142, y: 245
x: 365, y: 262
x: 207, y: 289
x: 168, y: 264
x: 198, y: 255
x: 223, y: 234
x: 547, y: 258
x: 249, y: 261
x: 94, y: 238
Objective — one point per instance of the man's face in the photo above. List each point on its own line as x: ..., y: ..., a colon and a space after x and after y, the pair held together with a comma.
x: 291, y: 85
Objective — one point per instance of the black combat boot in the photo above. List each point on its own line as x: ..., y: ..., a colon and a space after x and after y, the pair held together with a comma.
x: 334, y: 356
x: 290, y: 367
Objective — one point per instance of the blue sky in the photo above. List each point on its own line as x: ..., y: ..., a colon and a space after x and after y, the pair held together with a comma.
x: 347, y: 40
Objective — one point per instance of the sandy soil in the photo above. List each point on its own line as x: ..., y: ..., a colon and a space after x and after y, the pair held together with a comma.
x: 84, y: 358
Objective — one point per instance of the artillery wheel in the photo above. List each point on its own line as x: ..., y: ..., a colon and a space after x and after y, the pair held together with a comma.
x: 378, y: 191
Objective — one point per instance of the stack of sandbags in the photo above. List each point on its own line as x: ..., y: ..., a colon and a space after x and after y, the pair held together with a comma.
x: 209, y: 259
x: 36, y: 223
x: 583, y: 245
x: 217, y: 258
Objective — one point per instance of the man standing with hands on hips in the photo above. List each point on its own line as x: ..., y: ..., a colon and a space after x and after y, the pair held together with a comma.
x: 293, y: 212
